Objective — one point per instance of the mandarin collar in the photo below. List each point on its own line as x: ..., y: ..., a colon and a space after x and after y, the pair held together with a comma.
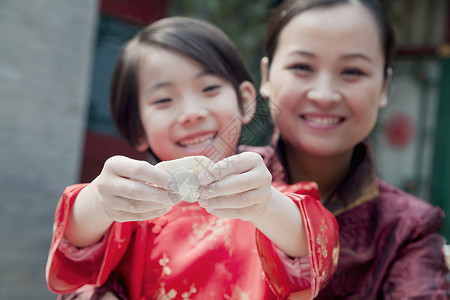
x: 358, y: 187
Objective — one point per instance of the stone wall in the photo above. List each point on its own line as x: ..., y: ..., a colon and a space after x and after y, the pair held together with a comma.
x: 46, y: 49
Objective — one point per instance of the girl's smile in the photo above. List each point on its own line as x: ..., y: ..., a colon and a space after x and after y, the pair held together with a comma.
x: 184, y: 108
x: 197, y: 140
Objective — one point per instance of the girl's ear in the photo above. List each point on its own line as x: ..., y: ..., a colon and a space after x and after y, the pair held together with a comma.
x: 384, y: 93
x: 248, y: 96
x: 142, y: 144
x: 264, y: 90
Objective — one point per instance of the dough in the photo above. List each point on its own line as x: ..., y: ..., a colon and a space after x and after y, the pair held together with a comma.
x: 185, y: 171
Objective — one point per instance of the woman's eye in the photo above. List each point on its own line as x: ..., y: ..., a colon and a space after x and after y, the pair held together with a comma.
x: 301, y: 67
x: 353, y: 72
x: 162, y: 101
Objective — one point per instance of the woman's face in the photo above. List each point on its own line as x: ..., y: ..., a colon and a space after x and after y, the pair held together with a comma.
x: 187, y: 111
x: 326, y: 79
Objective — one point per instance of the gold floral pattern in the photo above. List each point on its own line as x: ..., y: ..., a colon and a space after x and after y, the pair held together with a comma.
x: 187, y: 295
x: 210, y: 231
x: 163, y: 295
x: 237, y: 294
x: 322, y: 241
x: 164, y: 262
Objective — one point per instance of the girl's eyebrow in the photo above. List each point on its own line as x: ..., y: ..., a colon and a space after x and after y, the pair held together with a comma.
x: 156, y: 86
x: 205, y: 73
x: 162, y: 84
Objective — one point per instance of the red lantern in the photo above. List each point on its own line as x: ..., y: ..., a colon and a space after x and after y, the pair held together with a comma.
x: 400, y: 130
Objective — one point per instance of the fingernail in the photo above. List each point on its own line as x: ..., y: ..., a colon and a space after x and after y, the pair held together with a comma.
x: 205, y: 178
x: 174, y: 198
x: 211, y: 210
x: 206, y: 192
x: 173, y: 185
x: 203, y: 202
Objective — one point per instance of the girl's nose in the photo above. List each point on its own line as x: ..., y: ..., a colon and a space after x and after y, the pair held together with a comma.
x: 191, y: 113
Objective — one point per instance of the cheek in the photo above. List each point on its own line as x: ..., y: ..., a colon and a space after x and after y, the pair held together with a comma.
x: 231, y: 127
x: 366, y: 111
x: 284, y: 101
x: 226, y: 112
x: 156, y: 130
x: 286, y: 89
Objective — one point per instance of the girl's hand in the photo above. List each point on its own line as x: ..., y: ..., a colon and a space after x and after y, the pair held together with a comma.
x: 237, y: 187
x: 132, y: 190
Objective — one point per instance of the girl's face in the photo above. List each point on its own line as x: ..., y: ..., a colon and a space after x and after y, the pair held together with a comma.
x: 187, y: 111
x: 327, y: 79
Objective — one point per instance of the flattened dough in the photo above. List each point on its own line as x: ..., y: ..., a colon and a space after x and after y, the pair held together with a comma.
x: 185, y: 171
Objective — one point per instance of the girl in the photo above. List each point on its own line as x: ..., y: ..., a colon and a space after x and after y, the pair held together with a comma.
x: 327, y: 68
x: 180, y: 89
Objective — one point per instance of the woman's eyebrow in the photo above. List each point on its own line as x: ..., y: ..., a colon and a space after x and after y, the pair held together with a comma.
x: 302, y: 53
x: 357, y: 55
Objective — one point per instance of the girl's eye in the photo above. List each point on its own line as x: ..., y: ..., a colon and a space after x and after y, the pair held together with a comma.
x: 211, y: 88
x: 162, y: 101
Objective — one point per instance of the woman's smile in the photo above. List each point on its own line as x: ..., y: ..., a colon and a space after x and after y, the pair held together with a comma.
x: 322, y: 121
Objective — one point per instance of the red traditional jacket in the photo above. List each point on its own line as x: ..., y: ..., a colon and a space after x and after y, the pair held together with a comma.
x: 191, y: 254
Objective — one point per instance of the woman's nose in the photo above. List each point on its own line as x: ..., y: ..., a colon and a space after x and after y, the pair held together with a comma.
x: 324, y: 93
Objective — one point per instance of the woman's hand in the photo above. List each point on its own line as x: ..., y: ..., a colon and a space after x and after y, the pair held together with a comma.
x: 237, y: 187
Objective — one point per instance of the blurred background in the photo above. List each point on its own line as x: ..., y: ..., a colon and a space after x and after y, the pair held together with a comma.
x: 56, y: 60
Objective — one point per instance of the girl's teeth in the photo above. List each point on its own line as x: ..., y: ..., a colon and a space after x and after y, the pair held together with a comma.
x: 196, y: 140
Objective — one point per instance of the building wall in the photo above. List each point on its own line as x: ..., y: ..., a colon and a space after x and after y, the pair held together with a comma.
x: 45, y: 65
x: 441, y: 178
x: 405, y: 134
x: 412, y: 133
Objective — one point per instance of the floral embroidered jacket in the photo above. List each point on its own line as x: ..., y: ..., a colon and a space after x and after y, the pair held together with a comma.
x: 190, y: 254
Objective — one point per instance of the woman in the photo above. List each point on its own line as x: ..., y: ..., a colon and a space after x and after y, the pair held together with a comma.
x: 326, y: 73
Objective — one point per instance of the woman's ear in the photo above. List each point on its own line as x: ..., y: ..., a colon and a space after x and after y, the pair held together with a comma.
x: 264, y: 90
x: 385, y: 91
x: 248, y: 96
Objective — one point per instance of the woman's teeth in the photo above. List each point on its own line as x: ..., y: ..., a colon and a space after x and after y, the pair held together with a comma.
x: 197, y: 140
x: 324, y: 121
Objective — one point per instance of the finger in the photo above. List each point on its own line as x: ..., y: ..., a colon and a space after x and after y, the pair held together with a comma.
x: 130, y: 189
x: 126, y: 216
x: 254, y: 179
x: 136, y: 206
x: 237, y: 201
x: 245, y: 214
x: 141, y: 171
x: 235, y: 164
